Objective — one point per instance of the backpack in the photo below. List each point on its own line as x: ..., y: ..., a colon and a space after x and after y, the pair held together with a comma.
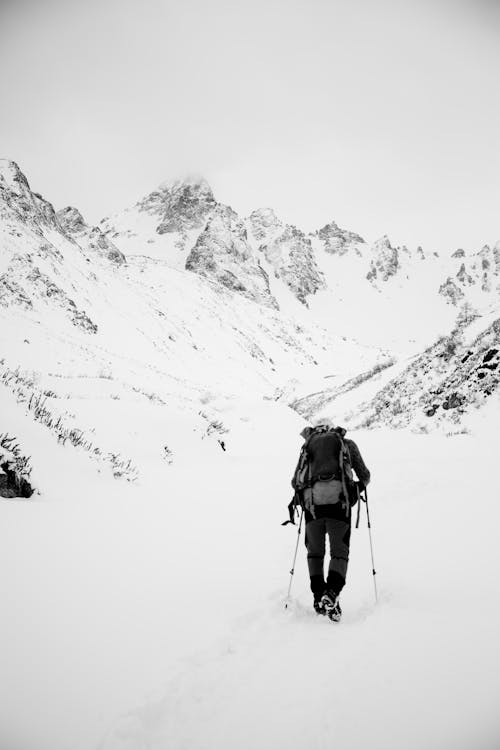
x: 314, y: 488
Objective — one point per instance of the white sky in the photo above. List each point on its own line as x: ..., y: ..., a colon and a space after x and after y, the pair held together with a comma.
x: 383, y: 115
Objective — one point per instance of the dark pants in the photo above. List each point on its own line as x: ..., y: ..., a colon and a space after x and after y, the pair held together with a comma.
x: 339, y: 534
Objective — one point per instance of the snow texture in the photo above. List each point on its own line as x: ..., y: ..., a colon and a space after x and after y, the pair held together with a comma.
x: 155, y: 374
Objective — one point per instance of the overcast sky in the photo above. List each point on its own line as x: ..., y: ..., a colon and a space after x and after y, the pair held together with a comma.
x: 383, y: 115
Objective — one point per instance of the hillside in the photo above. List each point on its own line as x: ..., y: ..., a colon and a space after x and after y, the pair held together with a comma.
x: 155, y: 373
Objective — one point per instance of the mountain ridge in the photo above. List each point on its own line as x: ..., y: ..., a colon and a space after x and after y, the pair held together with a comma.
x: 322, y: 301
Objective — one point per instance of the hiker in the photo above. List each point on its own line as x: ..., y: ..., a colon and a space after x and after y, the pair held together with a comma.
x: 325, y: 489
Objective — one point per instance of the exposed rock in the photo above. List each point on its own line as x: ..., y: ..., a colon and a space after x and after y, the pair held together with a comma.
x: 458, y: 253
x: 451, y: 291
x: 154, y: 203
x: 339, y: 241
x: 103, y: 245
x: 90, y: 238
x: 11, y: 484
x: 17, y: 198
x: 11, y: 293
x: 264, y: 225
x: 291, y: 255
x: 222, y: 253
x: 385, y: 260
x: 71, y: 221
x: 15, y: 469
x: 463, y: 276
x: 288, y: 251
x: 187, y: 205
x: 46, y: 288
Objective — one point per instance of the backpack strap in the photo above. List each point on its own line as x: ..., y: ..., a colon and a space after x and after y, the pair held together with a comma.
x: 342, y: 454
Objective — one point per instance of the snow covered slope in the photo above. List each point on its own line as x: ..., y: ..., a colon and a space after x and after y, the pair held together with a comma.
x: 349, y: 284
x: 164, y: 224
x: 82, y: 324
x: 150, y: 615
x: 149, y: 402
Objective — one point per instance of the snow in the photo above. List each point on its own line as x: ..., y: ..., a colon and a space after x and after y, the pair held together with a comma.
x: 150, y: 615
x: 147, y: 612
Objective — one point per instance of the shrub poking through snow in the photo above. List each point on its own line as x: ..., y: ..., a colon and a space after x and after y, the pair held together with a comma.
x: 213, y: 426
x: 21, y: 385
x: 168, y: 455
x: 15, y: 469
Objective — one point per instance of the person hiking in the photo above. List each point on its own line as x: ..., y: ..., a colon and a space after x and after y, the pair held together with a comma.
x: 325, y: 489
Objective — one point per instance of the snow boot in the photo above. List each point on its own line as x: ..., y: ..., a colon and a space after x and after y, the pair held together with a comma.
x: 330, y: 602
x: 318, y: 605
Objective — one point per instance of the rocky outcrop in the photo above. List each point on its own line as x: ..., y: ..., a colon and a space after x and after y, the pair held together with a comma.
x: 71, y: 221
x: 479, y: 271
x: 464, y: 277
x: 384, y: 261
x: 443, y: 383
x: 89, y: 238
x: 450, y: 290
x: 169, y: 219
x: 485, y: 268
x: 15, y: 469
x: 339, y: 241
x: 46, y: 289
x: 222, y: 253
x: 264, y: 225
x: 291, y: 255
x: 288, y: 251
x: 18, y: 201
x: 12, y: 293
x: 186, y: 205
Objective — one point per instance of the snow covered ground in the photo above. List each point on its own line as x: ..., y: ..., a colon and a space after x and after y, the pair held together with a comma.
x: 150, y: 615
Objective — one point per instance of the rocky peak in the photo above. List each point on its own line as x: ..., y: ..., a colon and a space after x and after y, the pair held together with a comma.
x: 222, y: 253
x: 459, y: 253
x: 339, y: 241
x: 384, y: 262
x: 187, y: 205
x: 291, y: 256
x: 264, y: 225
x: 12, y: 179
x: 18, y: 198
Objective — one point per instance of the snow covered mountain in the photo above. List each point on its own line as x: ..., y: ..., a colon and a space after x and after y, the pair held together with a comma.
x: 84, y: 323
x: 160, y: 290
x: 147, y: 370
x: 319, y: 269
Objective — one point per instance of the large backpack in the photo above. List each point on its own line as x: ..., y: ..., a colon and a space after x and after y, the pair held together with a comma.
x: 323, y: 475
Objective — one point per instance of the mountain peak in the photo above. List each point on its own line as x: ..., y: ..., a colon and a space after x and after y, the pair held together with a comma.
x: 193, y: 182
x: 339, y: 241
x: 12, y: 177
x: 188, y: 203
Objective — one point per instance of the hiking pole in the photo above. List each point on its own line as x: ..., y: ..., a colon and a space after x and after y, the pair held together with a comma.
x: 374, y: 572
x: 294, y: 559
